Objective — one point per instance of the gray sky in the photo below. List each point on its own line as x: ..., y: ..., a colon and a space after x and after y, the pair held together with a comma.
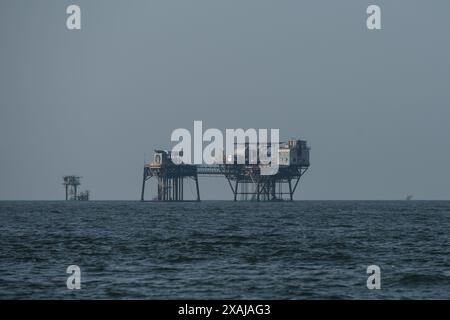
x: 374, y: 106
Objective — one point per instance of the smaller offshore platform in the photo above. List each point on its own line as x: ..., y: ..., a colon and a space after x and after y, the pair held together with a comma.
x: 71, y: 184
x: 245, y: 180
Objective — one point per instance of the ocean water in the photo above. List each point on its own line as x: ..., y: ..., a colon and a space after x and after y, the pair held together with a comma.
x: 225, y: 250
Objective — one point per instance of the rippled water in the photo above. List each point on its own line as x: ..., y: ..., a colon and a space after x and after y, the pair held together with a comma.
x: 216, y: 250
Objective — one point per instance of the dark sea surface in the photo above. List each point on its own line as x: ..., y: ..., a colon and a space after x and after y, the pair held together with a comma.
x: 225, y: 250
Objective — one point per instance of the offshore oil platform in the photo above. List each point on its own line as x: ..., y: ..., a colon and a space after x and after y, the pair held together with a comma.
x: 71, y: 184
x: 245, y: 180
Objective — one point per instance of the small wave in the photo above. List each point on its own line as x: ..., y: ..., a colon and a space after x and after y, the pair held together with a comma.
x: 424, y: 279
